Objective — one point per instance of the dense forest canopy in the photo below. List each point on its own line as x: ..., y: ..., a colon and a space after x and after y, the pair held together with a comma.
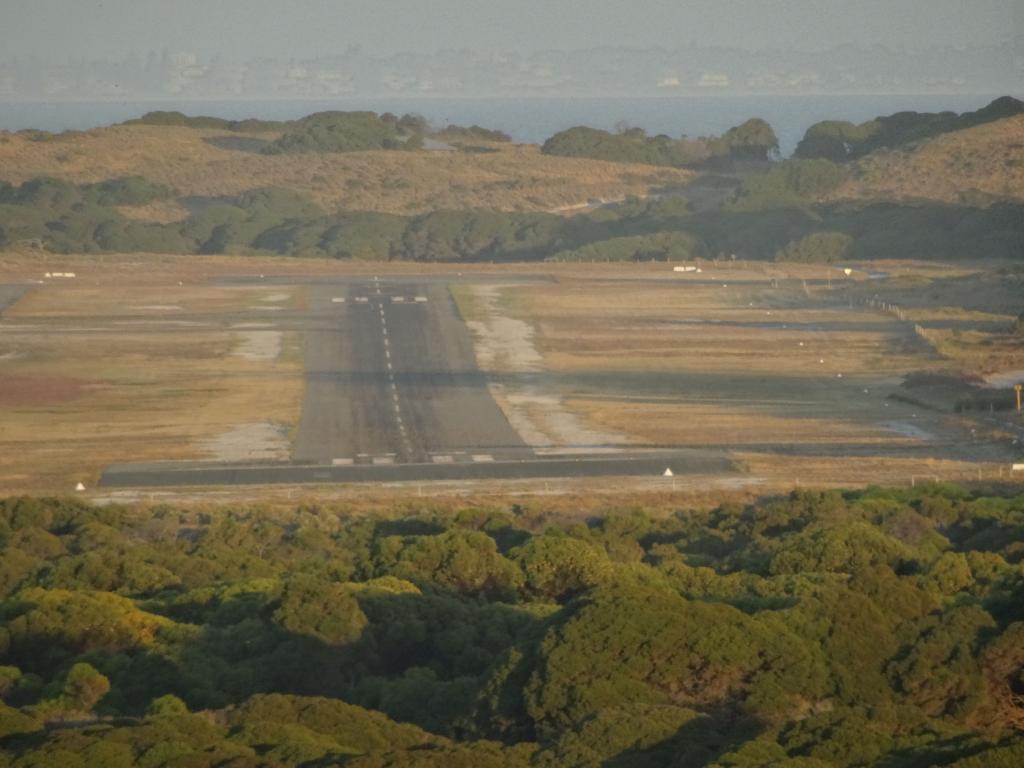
x: 878, y: 627
x: 767, y: 213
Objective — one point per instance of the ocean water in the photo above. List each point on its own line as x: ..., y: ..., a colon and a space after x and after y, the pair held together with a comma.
x: 528, y: 120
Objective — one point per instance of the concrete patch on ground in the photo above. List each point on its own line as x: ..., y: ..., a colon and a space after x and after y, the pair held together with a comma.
x: 504, y: 345
x: 258, y: 345
x: 260, y: 441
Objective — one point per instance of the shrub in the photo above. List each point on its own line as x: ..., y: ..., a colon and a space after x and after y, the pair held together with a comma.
x: 344, y: 132
x: 819, y: 248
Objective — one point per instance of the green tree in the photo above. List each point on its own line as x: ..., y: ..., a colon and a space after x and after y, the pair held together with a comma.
x: 320, y: 609
x: 819, y: 248
x: 84, y: 687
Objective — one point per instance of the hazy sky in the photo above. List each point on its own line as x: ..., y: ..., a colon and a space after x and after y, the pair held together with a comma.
x: 58, y: 29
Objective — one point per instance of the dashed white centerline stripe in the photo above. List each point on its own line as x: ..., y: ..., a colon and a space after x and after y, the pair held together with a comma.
x: 395, y: 402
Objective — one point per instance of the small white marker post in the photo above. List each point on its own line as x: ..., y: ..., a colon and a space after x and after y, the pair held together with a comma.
x: 669, y: 473
x: 80, y: 487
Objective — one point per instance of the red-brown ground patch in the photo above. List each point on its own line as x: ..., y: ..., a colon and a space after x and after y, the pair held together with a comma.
x: 21, y: 389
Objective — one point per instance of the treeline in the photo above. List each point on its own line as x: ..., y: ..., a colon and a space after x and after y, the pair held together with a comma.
x: 332, y: 131
x: 772, y: 215
x: 753, y: 140
x: 840, y: 141
x: 820, y: 630
x: 834, y: 140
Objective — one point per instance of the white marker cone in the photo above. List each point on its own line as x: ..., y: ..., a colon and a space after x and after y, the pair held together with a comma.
x: 80, y: 487
x: 668, y: 473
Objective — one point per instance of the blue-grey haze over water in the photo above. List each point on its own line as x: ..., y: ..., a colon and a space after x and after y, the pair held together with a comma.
x: 527, y: 120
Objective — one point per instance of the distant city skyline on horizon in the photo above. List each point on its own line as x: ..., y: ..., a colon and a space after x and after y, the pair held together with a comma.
x: 256, y: 49
x: 606, y: 71
x: 55, y: 29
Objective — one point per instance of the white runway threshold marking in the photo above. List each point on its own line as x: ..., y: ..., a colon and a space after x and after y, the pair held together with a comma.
x: 482, y: 457
x: 363, y: 299
x: 338, y: 300
x: 442, y: 459
x: 342, y: 462
x: 397, y: 299
x: 383, y: 460
x: 421, y: 299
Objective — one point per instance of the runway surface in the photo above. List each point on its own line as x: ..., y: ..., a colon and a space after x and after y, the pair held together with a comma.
x: 393, y: 394
x: 392, y: 378
x: 182, y: 474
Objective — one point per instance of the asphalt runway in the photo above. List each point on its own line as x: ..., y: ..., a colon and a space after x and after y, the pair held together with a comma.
x: 394, y: 394
x: 195, y: 474
x: 394, y: 380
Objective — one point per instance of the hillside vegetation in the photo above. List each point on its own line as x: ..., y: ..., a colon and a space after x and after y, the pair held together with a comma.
x: 213, y: 163
x: 770, y: 213
x: 820, y: 630
x: 841, y: 141
x: 753, y: 140
x: 975, y: 165
x: 314, y: 187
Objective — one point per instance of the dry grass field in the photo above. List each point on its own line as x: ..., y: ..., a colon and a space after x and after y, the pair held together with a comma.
x: 196, y: 163
x: 987, y: 158
x: 132, y: 371
x: 795, y: 380
x: 146, y: 358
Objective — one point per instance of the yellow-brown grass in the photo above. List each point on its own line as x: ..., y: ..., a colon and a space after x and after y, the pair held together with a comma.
x: 724, y: 360
x: 152, y: 390
x: 987, y: 158
x: 705, y: 328
x: 514, y: 177
x: 734, y: 424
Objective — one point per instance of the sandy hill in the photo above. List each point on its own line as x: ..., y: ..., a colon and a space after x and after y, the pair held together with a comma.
x: 987, y: 159
x: 206, y: 163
